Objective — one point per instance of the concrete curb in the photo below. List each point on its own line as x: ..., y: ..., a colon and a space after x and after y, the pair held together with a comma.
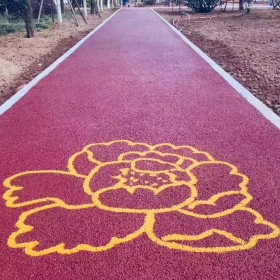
x: 261, y: 107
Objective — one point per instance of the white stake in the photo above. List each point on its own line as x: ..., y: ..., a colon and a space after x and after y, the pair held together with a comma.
x: 40, y: 11
x: 101, y: 5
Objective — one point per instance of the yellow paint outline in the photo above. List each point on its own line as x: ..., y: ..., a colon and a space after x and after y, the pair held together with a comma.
x: 169, y: 240
x: 213, y: 199
x: 135, y: 161
x: 151, y: 148
x: 11, y: 200
x: 156, y: 191
x: 71, y: 162
x: 122, y: 182
x: 72, y: 159
x: 151, y: 214
x: 60, y: 248
x: 194, y: 150
x: 180, y: 160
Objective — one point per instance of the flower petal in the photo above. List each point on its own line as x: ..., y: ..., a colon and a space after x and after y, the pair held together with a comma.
x: 144, y: 199
x: 168, y: 158
x: 106, y: 175
x: 240, y: 230
x: 217, y: 177
x: 108, y: 152
x: 52, y: 229
x: 185, y: 151
x: 45, y: 186
x: 152, y: 166
x: 219, y: 205
x: 82, y: 163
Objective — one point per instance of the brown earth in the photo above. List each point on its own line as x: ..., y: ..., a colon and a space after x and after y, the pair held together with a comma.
x: 245, y: 45
x: 21, y: 59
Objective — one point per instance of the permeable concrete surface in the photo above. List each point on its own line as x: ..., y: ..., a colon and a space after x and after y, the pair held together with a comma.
x: 135, y: 159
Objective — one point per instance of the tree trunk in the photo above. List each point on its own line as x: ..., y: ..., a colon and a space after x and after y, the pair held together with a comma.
x: 28, y: 18
x: 52, y: 5
x: 58, y: 10
x: 101, y: 5
x: 6, y: 13
x: 241, y: 5
x: 108, y: 4
x: 85, y: 8
x: 62, y: 6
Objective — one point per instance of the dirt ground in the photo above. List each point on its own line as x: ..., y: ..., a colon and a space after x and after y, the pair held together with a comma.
x: 245, y: 45
x: 21, y: 59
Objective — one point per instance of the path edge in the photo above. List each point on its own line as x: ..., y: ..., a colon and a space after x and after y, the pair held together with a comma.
x: 21, y: 93
x: 246, y: 94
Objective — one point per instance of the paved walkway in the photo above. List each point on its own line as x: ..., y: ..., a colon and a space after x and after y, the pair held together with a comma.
x: 134, y: 159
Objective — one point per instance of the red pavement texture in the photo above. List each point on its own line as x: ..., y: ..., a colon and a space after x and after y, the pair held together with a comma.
x: 135, y: 79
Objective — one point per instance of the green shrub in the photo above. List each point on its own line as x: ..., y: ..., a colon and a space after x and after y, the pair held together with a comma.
x: 149, y: 2
x: 12, y: 26
x: 202, y: 6
x: 6, y: 28
x: 45, y: 23
x: 41, y: 26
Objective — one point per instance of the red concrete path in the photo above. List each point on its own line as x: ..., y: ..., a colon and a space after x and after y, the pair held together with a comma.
x: 135, y: 79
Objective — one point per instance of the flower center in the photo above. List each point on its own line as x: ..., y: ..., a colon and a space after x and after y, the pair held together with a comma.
x: 135, y: 178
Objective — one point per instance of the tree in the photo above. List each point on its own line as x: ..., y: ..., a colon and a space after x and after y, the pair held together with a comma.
x: 12, y: 7
x: 241, y: 5
x: 62, y: 6
x: 85, y: 7
x: 28, y: 18
x: 58, y: 10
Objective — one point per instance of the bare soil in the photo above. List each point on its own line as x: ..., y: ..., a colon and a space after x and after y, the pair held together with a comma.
x: 21, y: 59
x: 245, y: 45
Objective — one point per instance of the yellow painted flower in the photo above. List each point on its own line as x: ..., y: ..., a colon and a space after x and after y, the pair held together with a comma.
x: 112, y: 193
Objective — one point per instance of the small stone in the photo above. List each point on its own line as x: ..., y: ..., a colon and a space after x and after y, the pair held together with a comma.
x: 20, y: 87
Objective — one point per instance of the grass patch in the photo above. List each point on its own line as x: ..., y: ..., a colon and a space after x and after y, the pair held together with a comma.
x: 45, y: 23
x: 11, y: 26
x: 8, y: 26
